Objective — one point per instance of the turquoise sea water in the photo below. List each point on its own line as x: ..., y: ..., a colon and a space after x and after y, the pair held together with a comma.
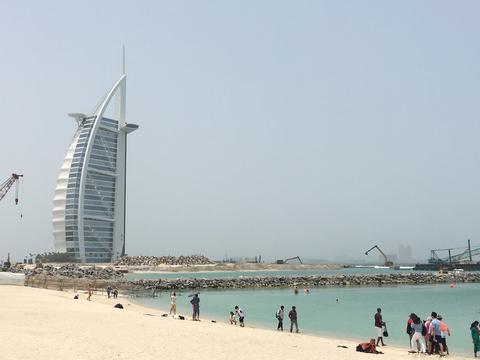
x: 351, y: 317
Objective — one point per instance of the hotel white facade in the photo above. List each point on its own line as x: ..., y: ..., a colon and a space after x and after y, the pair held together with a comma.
x: 89, y: 201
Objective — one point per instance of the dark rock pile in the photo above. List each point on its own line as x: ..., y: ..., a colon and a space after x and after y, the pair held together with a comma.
x: 306, y: 281
x: 163, y: 260
x: 15, y: 269
x: 75, y: 271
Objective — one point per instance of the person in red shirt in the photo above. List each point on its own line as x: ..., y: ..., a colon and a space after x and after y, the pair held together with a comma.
x: 368, y: 347
x: 409, y: 328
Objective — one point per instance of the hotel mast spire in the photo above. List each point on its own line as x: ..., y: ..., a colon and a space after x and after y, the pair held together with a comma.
x: 123, y: 58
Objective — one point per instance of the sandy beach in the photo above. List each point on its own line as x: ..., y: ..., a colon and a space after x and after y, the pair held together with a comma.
x: 48, y: 324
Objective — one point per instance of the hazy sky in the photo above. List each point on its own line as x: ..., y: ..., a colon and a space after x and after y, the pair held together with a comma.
x: 281, y: 128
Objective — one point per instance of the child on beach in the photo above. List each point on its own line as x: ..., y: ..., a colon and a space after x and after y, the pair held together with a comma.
x: 232, y: 319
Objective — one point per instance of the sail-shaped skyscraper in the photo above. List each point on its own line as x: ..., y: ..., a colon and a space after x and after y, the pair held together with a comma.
x: 89, y: 203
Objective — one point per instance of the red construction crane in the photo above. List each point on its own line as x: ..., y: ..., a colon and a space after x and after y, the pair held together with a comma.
x: 7, y: 184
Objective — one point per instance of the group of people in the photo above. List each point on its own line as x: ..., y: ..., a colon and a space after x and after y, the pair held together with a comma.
x: 112, y: 292
x: 292, y: 315
x: 237, y: 312
x: 427, y: 337
x: 195, y: 301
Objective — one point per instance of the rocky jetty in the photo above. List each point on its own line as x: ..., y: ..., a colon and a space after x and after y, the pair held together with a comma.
x: 305, y: 281
x: 71, y: 271
x: 163, y: 260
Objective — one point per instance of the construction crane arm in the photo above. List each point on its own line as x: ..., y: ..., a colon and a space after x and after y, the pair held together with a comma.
x: 373, y: 247
x: 7, y: 184
x: 386, y: 261
x: 293, y: 258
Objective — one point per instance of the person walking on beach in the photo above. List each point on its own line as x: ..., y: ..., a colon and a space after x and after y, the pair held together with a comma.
x: 89, y: 293
x: 109, y: 291
x: 379, y: 326
x: 173, y: 304
x: 196, y: 307
x: 115, y: 293
x: 241, y: 315
x: 475, y: 332
x: 293, y: 319
x: 280, y: 316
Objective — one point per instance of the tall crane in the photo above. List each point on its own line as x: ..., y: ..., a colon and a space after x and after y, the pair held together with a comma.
x: 7, y: 184
x: 385, y: 259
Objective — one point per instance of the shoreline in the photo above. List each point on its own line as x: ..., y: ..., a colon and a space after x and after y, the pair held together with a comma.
x: 351, y: 341
x: 82, y: 329
x: 209, y: 318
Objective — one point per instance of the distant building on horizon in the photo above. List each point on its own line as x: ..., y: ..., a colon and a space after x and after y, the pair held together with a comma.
x: 405, y: 253
x: 89, y: 201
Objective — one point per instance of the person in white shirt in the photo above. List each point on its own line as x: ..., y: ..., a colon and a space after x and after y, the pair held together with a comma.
x: 173, y: 303
x: 241, y: 316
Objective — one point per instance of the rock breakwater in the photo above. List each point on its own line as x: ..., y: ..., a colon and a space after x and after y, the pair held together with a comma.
x: 163, y: 260
x: 71, y: 271
x: 305, y: 281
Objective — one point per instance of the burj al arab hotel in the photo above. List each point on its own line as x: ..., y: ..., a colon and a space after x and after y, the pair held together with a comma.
x: 89, y: 201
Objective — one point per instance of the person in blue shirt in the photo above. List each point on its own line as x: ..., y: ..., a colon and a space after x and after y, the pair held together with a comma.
x: 436, y: 334
x: 196, y: 307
